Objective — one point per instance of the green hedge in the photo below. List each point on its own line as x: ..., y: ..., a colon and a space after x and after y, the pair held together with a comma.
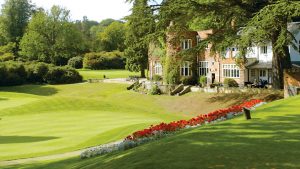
x: 18, y: 73
x: 104, y: 60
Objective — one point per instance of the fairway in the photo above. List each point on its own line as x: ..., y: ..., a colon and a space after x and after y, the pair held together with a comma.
x: 269, y: 140
x: 111, y: 74
x: 43, y: 120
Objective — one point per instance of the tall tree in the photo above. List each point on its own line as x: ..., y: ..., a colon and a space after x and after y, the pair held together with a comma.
x: 113, y: 37
x: 14, y: 18
x: 271, y: 25
x: 140, y: 26
x: 51, y: 37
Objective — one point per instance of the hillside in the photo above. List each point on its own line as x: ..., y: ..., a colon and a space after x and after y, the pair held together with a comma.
x: 270, y: 140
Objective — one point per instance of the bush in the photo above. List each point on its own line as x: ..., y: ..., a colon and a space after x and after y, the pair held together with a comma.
x: 62, y: 75
x: 36, y: 72
x: 190, y: 80
x: 76, y: 62
x: 230, y: 83
x: 7, y: 57
x: 155, y: 90
x: 157, y: 78
x: 12, y: 73
x: 203, y: 81
x: 104, y: 60
x: 15, y: 73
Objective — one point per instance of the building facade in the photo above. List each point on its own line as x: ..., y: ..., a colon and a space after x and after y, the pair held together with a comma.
x: 217, y: 67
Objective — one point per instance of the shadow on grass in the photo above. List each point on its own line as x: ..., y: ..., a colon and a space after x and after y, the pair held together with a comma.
x: 2, y: 99
x: 238, y: 98
x: 23, y: 139
x: 39, y: 90
x: 273, y: 142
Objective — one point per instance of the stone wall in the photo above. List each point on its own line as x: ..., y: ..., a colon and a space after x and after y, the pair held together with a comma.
x: 291, y: 82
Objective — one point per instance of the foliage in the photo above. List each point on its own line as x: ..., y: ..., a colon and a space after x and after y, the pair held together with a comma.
x: 171, y: 71
x: 112, y: 37
x: 188, y: 80
x: 230, y: 82
x: 18, y: 73
x: 12, y: 73
x: 203, y: 81
x: 154, y: 90
x: 104, y: 60
x: 76, y: 62
x: 36, y: 72
x: 6, y: 52
x: 14, y: 18
x: 140, y: 25
x: 51, y: 37
x: 157, y: 78
x: 62, y: 75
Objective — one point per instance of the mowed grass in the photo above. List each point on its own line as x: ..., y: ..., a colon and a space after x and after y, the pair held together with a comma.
x: 111, y: 74
x: 270, y: 140
x: 38, y: 120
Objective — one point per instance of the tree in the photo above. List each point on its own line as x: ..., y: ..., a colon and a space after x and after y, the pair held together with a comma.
x: 85, y: 26
x: 113, y: 37
x: 14, y: 18
x: 140, y: 26
x: 52, y: 38
x: 271, y: 25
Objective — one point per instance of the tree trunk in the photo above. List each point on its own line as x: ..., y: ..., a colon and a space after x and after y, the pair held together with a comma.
x: 281, y: 60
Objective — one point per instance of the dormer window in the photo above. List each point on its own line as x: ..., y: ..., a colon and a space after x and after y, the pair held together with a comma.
x: 264, y: 49
x: 186, y: 44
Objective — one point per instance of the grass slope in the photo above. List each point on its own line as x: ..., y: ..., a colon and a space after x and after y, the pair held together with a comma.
x: 270, y: 140
x: 42, y: 120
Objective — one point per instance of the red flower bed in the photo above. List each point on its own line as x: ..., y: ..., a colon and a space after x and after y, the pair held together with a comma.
x: 201, y: 119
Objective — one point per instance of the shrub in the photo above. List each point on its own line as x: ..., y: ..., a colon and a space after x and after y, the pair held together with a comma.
x: 12, y: 73
x: 7, y: 57
x: 190, y: 80
x: 230, y: 82
x: 76, y: 62
x: 157, y: 78
x: 36, y: 72
x: 155, y: 90
x: 104, y: 60
x: 62, y: 75
x: 203, y: 81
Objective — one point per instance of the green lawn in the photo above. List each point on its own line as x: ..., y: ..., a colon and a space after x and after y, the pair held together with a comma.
x: 98, y: 74
x: 270, y: 140
x: 42, y: 120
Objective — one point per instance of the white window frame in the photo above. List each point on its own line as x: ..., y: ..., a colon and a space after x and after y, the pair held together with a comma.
x: 186, y: 44
x: 157, y: 68
x: 231, y: 71
x: 185, y: 69
x: 203, y: 68
x: 264, y: 50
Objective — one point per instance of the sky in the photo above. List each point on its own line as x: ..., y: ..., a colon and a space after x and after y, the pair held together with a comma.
x: 94, y: 9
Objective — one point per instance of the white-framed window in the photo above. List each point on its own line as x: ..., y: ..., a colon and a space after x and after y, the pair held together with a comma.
x: 203, y: 68
x: 262, y: 73
x: 185, y: 69
x: 158, y: 68
x: 231, y: 71
x: 264, y: 49
x: 253, y: 73
x: 186, y: 44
